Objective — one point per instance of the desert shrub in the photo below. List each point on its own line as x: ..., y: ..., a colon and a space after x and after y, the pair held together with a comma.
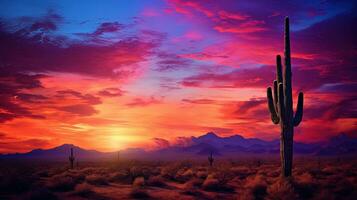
x: 155, y: 171
x: 96, y: 179
x: 83, y: 189
x: 194, y: 183
x: 191, y: 187
x: 169, y: 172
x: 135, y: 171
x: 139, y: 172
x: 87, y: 170
x: 224, y: 175
x: 56, y: 170
x: 305, y: 185
x: 184, y: 175
x: 345, y: 188
x: 201, y: 174
x: 40, y: 194
x: 255, y: 187
x: 120, y: 176
x: 15, y: 183
x: 282, y: 189
x: 43, y: 173
x: 61, y: 183
x: 156, y: 181
x: 329, y: 170
x: 139, y: 193
x: 241, y: 171
x: 324, y: 195
x: 146, y: 172
x: 139, y: 182
x: 212, y: 183
x: 77, y: 176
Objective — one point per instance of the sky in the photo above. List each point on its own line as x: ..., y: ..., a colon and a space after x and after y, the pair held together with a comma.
x: 111, y: 75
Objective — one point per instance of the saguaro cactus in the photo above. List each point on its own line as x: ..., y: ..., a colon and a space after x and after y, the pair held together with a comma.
x: 71, y: 158
x: 281, y: 105
x: 210, y: 159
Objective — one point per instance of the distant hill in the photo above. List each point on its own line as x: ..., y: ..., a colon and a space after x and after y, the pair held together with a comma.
x: 59, y: 153
x: 231, y: 146
x: 339, y: 145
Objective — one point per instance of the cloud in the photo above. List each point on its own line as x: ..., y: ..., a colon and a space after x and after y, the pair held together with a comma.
x: 86, y: 98
x: 79, y: 109
x: 31, y: 98
x: 161, y: 143
x: 111, y: 92
x: 139, y: 102
x: 251, y: 26
x: 29, y: 50
x: 239, y: 78
x: 11, y: 97
x: 223, y: 14
x: 246, y: 106
x: 200, y: 101
x: 9, y: 144
x: 108, y: 27
x: 169, y: 62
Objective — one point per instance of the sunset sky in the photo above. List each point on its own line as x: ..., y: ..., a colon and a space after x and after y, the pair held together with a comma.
x: 137, y: 73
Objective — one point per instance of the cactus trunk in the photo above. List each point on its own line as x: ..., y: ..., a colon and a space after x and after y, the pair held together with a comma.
x: 281, y: 105
x: 210, y: 159
x: 71, y: 159
x: 286, y: 151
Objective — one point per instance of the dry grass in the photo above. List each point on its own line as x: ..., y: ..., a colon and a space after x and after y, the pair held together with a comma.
x: 61, y: 182
x: 186, y: 180
x: 96, y: 179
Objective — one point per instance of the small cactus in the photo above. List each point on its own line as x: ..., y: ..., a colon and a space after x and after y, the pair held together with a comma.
x: 210, y: 159
x: 259, y: 163
x: 71, y: 158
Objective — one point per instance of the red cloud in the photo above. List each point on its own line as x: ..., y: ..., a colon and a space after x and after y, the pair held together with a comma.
x: 228, y: 15
x: 108, y: 27
x: 143, y: 102
x: 200, y: 101
x: 11, y: 144
x: 161, y: 143
x: 111, y: 92
x: 239, y: 78
x: 25, y: 50
x: 79, y: 109
x: 251, y: 26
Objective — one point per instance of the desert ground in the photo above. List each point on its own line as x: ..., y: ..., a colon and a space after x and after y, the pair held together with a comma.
x: 313, y: 178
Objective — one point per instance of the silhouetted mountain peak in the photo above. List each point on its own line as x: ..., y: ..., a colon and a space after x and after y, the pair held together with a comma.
x: 341, y: 137
x: 66, y: 146
x: 209, y: 135
x: 236, y: 137
x: 203, y: 145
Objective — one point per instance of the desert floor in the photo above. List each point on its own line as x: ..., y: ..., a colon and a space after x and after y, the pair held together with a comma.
x: 227, y: 179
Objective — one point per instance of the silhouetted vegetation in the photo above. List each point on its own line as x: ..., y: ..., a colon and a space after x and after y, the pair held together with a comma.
x: 281, y: 106
x: 313, y: 178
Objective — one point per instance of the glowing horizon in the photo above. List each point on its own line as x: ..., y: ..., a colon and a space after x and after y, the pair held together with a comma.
x: 122, y: 74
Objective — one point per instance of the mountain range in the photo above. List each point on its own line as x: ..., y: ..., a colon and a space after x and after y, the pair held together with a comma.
x: 231, y: 146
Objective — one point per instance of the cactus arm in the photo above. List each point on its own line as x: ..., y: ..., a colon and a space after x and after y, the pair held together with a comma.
x: 271, y: 105
x: 299, y: 109
x: 281, y: 103
x: 275, y: 89
x: 279, y: 74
